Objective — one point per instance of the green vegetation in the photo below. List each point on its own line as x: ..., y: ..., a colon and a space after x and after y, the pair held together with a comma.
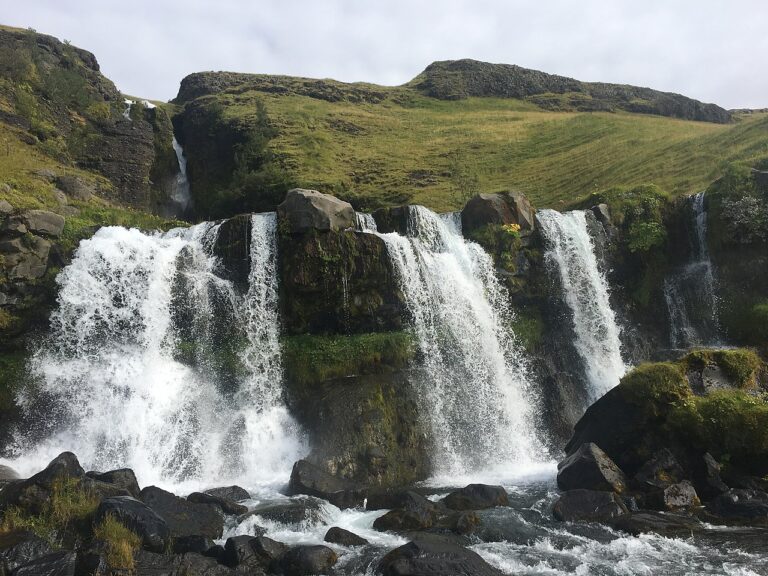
x: 528, y: 326
x: 121, y: 542
x: 13, y: 375
x: 68, y: 512
x: 741, y: 365
x: 653, y: 387
x: 310, y: 359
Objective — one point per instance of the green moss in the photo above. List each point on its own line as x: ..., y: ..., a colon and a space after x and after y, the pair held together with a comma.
x: 740, y: 365
x: 528, y: 327
x: 310, y: 359
x: 122, y: 543
x: 68, y: 512
x: 655, y: 387
x: 13, y: 375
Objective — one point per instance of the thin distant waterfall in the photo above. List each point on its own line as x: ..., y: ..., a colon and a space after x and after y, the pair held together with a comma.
x: 570, y: 250
x: 690, y: 293
x: 475, y: 386
x: 365, y: 222
x: 132, y: 366
x: 180, y: 195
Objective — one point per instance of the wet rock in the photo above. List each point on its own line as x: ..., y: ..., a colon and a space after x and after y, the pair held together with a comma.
x: 336, y: 535
x: 390, y: 499
x: 708, y: 482
x: 238, y: 551
x: 20, y: 547
x: 196, y: 544
x: 233, y: 246
x: 251, y: 552
x: 190, y: 564
x: 33, y: 494
x: 308, y: 479
x: 76, y: 187
x: 103, y: 489
x: 123, y: 478
x: 184, y: 518
x: 60, y: 563
x: 681, y: 495
x: 394, y: 219
x: 664, y: 523
x: 44, y: 222
x: 234, y: 493
x: 660, y: 471
x: 227, y: 506
x: 476, y: 497
x: 603, y: 215
x: 138, y: 517
x: 590, y: 468
x: 749, y: 506
x: 589, y: 506
x: 405, y: 520
x: 306, y: 560
x: 294, y: 511
x: 270, y: 551
x: 8, y: 473
x: 305, y: 210
x: 502, y: 208
x: 434, y: 557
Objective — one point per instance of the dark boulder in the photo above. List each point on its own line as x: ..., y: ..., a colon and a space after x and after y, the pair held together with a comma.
x: 196, y: 544
x: 123, y: 478
x: 589, y: 506
x: 664, y: 523
x: 138, y: 517
x: 233, y: 248
x: 590, y: 468
x: 476, y: 497
x: 391, y: 499
x: 395, y: 219
x: 33, y: 494
x: 679, y: 496
x: 184, y: 518
x: 20, y: 547
x: 306, y: 560
x: 336, y: 535
x: 708, y: 481
x: 8, y: 473
x: 268, y: 550
x: 739, y: 505
x: 502, y: 208
x: 305, y: 210
x: 299, y: 510
x: 434, y: 557
x: 227, y: 506
x: 234, y: 493
x: 306, y: 478
x: 660, y: 471
x: 405, y: 520
x: 60, y: 563
x: 239, y: 552
x: 102, y: 489
x: 189, y: 564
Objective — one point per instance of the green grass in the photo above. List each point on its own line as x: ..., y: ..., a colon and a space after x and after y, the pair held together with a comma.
x: 121, y: 542
x: 421, y: 150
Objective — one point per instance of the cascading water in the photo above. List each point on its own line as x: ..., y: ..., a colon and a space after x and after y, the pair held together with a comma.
x: 690, y: 293
x: 365, y: 222
x: 130, y: 370
x: 475, y: 385
x: 585, y: 290
x: 180, y: 195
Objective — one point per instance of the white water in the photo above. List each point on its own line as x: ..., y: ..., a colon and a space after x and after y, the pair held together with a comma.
x: 128, y: 105
x: 181, y: 195
x: 365, y: 222
x: 690, y: 293
x: 585, y: 290
x: 475, y: 385
x: 118, y: 394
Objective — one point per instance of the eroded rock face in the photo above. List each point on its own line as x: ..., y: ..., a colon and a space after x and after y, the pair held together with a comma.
x: 306, y: 478
x: 138, y: 517
x: 502, y: 208
x: 123, y: 478
x: 184, y: 518
x: 306, y: 210
x: 589, y: 505
x: 226, y: 505
x: 33, y: 494
x: 748, y: 506
x: 590, y: 468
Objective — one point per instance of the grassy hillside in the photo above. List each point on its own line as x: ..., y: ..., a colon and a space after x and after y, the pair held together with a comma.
x: 377, y: 146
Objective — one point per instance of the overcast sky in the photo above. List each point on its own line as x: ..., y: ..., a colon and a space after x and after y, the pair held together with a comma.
x: 716, y: 51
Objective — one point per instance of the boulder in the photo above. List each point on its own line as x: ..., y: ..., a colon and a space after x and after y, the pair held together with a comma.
x: 306, y: 560
x: 227, y: 506
x: 238, y: 551
x: 308, y: 479
x: 5, y: 208
x: 45, y: 174
x: 103, y: 489
x: 32, y: 495
x: 708, y: 482
x: 8, y: 473
x: 14, y: 227
x: 748, y: 506
x: 391, y: 499
x: 233, y: 248
x: 305, y: 210
x: 395, y: 219
x: 75, y: 187
x: 664, y: 523
x: 476, y: 497
x: 138, y: 517
x: 184, y: 518
x: 123, y: 478
x: 295, y: 511
x: 502, y: 208
x: 268, y: 550
x: 590, y: 468
x: 589, y: 506
x: 336, y: 535
x: 660, y: 471
x: 20, y: 547
x: 189, y: 564
x: 679, y: 496
x: 434, y: 557
x: 405, y: 521
x: 234, y: 493
x: 44, y: 222
x: 61, y: 563
x: 196, y: 544
x: 26, y: 257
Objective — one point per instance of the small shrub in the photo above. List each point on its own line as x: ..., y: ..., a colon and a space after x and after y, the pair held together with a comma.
x: 122, y: 543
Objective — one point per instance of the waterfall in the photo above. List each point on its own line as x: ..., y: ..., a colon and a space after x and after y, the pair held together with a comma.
x: 690, y: 293
x: 130, y: 371
x: 365, y: 222
x: 585, y: 290
x: 127, y: 111
x: 180, y: 195
x: 475, y: 385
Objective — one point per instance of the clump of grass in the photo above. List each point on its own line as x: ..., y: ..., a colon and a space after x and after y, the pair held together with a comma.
x: 121, y: 542
x: 740, y: 365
